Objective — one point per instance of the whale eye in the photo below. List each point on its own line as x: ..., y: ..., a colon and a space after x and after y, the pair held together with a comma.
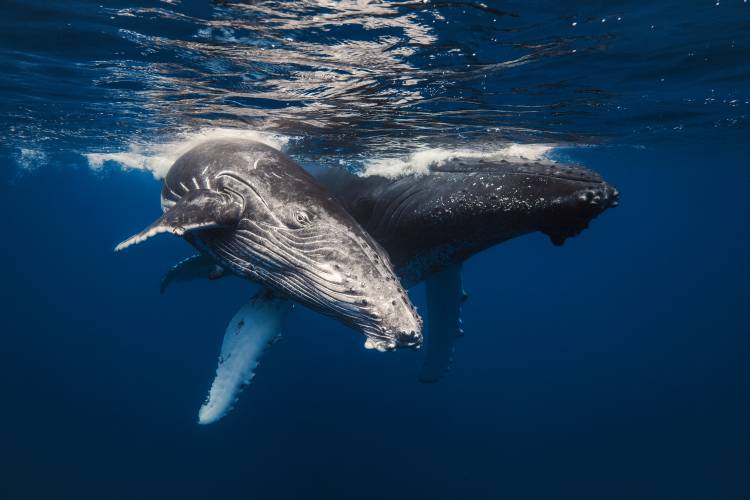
x: 301, y: 217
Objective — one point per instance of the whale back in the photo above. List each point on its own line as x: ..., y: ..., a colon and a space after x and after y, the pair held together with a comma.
x: 460, y: 207
x: 249, y: 169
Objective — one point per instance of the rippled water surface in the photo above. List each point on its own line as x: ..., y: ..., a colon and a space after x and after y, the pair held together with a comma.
x: 370, y: 78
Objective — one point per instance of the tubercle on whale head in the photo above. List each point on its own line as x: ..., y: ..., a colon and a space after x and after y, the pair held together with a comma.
x: 602, y: 195
x: 573, y: 213
x: 400, y: 326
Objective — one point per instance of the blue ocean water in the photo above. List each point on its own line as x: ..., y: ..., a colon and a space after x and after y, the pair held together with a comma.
x: 615, y: 366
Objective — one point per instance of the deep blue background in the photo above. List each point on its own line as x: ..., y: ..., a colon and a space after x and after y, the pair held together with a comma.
x: 613, y: 367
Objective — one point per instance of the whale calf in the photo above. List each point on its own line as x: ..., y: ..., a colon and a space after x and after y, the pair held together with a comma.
x: 252, y: 212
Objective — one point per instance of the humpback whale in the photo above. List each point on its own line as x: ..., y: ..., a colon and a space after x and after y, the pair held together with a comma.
x: 252, y: 212
x: 431, y: 223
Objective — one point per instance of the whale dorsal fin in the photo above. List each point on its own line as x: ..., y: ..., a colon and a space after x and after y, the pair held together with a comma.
x: 199, y: 209
x: 255, y: 326
x: 193, y: 268
x: 445, y: 295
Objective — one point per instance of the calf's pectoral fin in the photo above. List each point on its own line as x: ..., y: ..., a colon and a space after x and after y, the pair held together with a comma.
x: 445, y: 295
x: 192, y: 268
x: 200, y: 209
x: 255, y: 326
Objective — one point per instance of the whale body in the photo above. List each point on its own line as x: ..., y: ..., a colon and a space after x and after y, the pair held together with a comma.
x: 252, y: 212
x: 429, y: 224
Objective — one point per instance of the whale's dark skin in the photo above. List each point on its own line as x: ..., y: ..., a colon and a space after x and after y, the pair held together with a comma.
x: 429, y: 222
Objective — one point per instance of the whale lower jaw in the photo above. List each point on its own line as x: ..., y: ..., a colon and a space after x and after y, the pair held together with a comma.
x: 411, y: 339
x: 363, y: 293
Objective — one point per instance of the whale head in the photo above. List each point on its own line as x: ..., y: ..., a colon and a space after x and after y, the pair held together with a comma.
x: 493, y: 201
x: 261, y: 216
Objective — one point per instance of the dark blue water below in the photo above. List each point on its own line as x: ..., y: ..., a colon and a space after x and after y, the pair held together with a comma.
x: 613, y: 367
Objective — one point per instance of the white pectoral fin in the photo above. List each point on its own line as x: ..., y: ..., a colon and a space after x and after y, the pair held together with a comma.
x: 255, y: 326
x: 444, y: 298
x: 200, y: 209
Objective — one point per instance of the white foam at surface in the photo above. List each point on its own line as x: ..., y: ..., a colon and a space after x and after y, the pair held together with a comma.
x: 420, y: 162
x: 159, y: 157
x: 30, y: 159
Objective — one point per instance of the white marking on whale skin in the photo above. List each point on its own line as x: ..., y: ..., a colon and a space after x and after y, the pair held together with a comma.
x: 378, y: 346
x: 162, y: 227
x: 166, y: 204
x: 143, y: 236
x: 250, y: 331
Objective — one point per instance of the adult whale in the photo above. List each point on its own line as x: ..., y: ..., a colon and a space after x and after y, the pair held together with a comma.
x: 251, y: 211
x: 431, y: 223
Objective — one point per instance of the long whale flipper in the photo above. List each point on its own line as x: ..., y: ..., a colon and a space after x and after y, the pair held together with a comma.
x: 192, y: 268
x: 255, y: 326
x: 199, y: 209
x: 445, y: 295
